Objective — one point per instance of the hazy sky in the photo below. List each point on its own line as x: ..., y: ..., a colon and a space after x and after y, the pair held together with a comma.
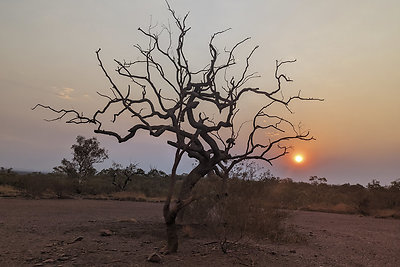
x: 347, y: 51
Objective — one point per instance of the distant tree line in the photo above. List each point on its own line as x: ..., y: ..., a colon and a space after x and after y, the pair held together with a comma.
x: 136, y: 184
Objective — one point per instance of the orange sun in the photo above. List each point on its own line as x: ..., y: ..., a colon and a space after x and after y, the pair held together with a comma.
x: 299, y: 158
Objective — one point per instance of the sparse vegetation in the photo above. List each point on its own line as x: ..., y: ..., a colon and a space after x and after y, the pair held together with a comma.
x: 239, y: 208
x: 264, y: 193
x: 239, y: 212
x: 55, y: 185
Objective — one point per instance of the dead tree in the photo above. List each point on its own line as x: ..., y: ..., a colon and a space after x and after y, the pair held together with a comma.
x: 122, y: 176
x: 196, y: 110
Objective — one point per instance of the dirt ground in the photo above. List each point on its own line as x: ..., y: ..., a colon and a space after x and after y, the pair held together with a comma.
x: 124, y: 233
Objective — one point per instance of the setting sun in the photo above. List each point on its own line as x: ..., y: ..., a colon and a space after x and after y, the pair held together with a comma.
x: 298, y: 158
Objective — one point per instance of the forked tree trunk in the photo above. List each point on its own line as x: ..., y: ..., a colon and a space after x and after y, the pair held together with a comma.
x: 171, y: 213
x: 188, y: 184
x: 172, y: 236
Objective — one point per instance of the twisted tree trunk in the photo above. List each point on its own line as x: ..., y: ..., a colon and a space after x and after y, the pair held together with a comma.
x: 172, y: 235
x: 184, y: 199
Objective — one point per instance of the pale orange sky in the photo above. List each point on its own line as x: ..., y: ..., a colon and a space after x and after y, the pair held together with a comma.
x: 347, y: 52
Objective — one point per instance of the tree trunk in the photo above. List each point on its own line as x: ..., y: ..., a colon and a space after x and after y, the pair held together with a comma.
x: 188, y: 184
x: 172, y: 236
x: 172, y: 212
x: 223, y: 191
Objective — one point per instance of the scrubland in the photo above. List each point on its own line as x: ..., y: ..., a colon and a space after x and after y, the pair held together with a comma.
x: 265, y: 193
x: 247, y: 222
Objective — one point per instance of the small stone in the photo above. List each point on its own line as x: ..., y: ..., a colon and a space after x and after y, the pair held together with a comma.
x: 132, y: 220
x: 79, y: 238
x: 155, y: 257
x: 292, y: 251
x: 273, y: 253
x: 105, y: 232
x: 65, y: 258
x: 48, y: 261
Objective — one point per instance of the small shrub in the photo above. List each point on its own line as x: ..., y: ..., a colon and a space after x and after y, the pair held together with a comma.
x: 62, y: 186
x: 242, y: 212
x: 97, y: 185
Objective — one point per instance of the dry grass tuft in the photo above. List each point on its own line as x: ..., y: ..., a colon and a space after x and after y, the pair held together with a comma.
x: 135, y: 196
x: 337, y: 208
x: 9, y: 191
x: 386, y: 213
x: 188, y: 231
